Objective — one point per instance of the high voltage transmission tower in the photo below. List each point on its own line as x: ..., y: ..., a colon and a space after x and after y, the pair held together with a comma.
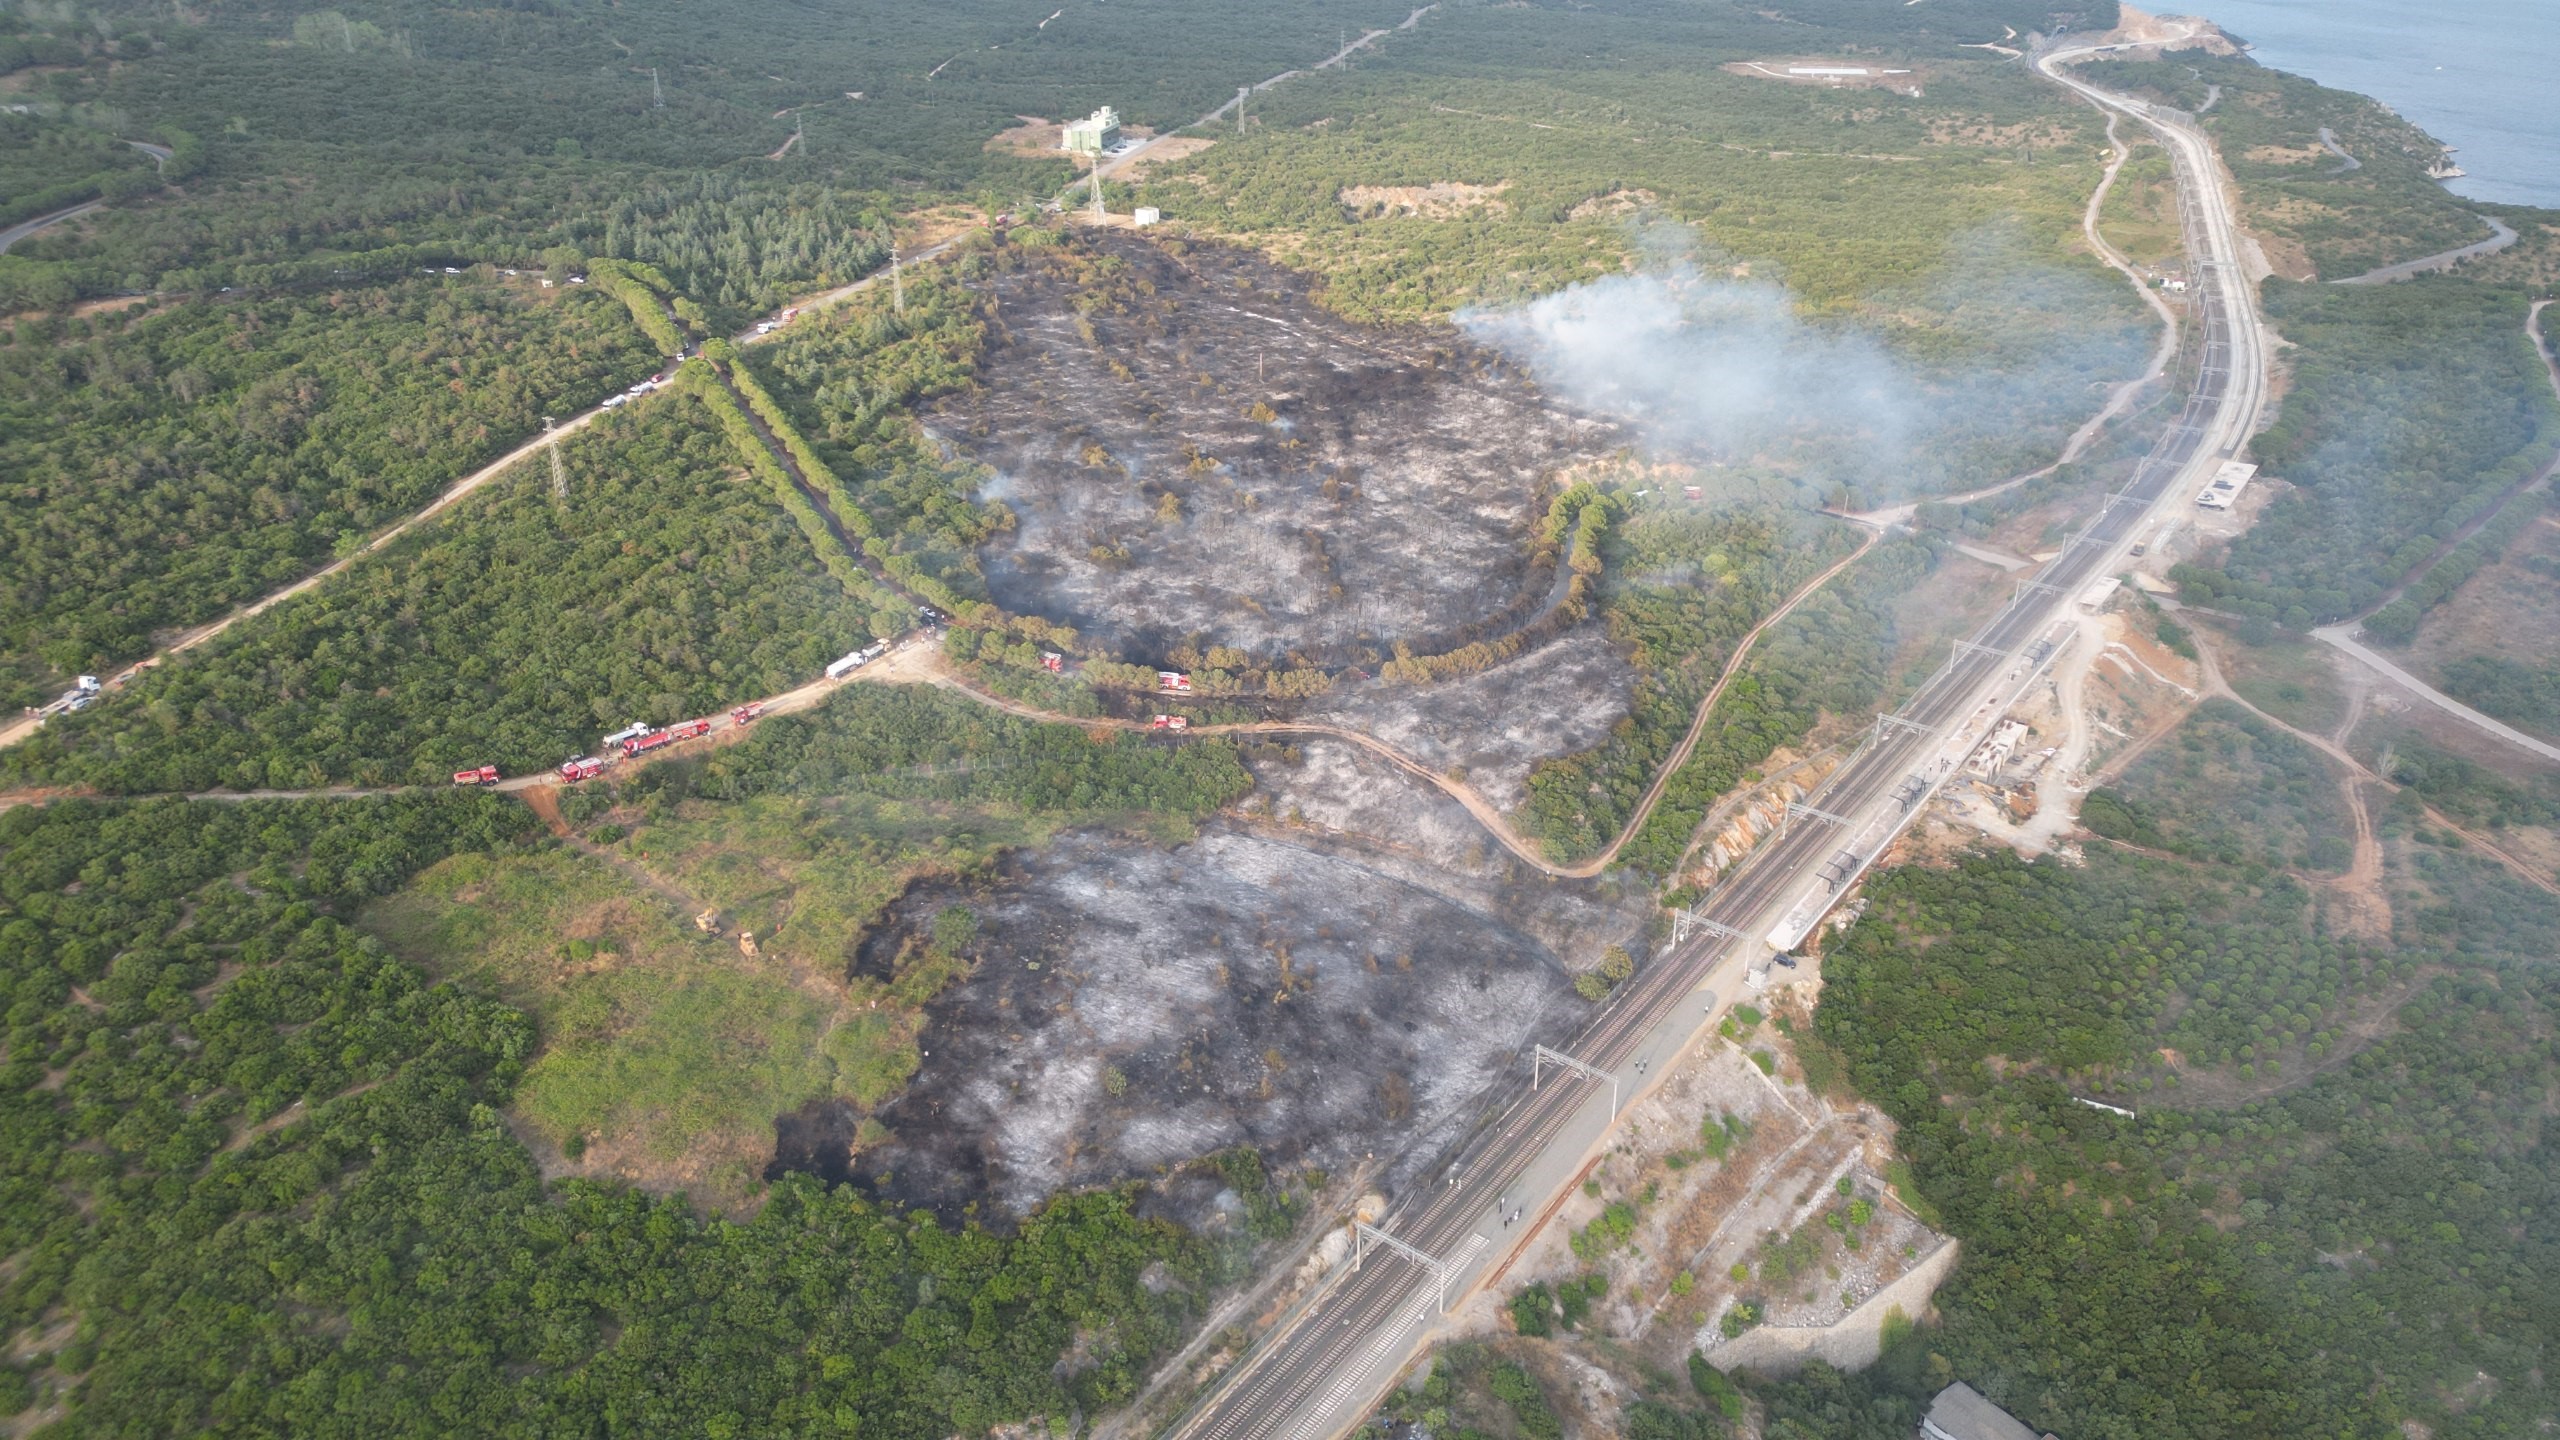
x: 657, y: 92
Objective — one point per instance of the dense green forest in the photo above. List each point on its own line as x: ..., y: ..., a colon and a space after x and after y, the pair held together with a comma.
x: 1683, y: 587
x: 167, y: 464
x: 48, y: 163
x: 2416, y: 409
x: 258, y: 1184
x: 2344, y: 1235
x: 658, y: 585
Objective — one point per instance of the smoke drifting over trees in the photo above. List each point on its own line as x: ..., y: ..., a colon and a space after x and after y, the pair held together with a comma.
x: 1967, y: 375
x: 1713, y: 368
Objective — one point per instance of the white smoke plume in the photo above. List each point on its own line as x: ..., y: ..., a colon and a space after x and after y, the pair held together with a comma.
x: 1714, y: 369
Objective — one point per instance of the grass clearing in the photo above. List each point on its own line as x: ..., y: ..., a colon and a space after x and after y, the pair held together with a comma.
x: 667, y: 1051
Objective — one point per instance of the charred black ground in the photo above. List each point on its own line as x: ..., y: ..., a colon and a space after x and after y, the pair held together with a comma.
x: 1314, y: 996
x: 1198, y: 455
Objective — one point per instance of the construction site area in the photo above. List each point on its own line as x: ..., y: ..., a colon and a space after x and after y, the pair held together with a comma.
x: 1196, y: 454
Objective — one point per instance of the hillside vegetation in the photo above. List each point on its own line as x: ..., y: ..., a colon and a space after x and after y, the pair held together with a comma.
x: 512, y: 631
x: 2344, y: 1242
x: 667, y: 1053
x: 2416, y: 409
x: 260, y: 1184
x: 168, y: 464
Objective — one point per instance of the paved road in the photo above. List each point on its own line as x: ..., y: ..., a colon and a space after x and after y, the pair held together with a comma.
x: 2501, y: 235
x: 1318, y: 1373
x: 25, y: 228
x: 2343, y: 638
x: 160, y: 156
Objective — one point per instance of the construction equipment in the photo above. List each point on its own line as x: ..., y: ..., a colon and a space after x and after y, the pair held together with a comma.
x: 485, y: 775
x: 1171, y: 722
x: 708, y: 922
x: 746, y: 714
x: 581, y: 767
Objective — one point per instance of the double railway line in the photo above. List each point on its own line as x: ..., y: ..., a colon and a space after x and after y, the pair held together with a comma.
x: 1316, y: 1373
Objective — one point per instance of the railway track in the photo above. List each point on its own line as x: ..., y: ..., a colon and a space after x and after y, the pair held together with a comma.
x: 1315, y: 1375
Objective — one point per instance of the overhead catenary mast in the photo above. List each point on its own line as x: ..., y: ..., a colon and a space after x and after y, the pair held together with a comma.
x: 897, y: 284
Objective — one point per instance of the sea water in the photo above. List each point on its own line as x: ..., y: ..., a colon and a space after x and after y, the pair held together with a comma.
x: 2480, y: 75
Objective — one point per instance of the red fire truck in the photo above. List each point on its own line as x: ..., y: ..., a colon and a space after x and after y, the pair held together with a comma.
x: 485, y: 775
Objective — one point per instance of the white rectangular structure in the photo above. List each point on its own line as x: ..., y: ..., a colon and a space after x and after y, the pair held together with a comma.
x: 2226, y: 485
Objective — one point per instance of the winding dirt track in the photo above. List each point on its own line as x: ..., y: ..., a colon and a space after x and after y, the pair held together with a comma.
x: 2359, y: 776
x: 2346, y: 636
x: 1485, y: 812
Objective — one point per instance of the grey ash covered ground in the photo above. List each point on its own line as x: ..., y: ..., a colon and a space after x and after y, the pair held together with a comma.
x: 1314, y: 993
x: 1494, y: 727
x: 1197, y: 454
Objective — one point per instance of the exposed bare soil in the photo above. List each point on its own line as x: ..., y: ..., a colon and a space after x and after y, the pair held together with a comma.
x: 1197, y: 455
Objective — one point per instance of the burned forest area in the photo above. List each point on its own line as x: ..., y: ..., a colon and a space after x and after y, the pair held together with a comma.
x: 1320, y: 997
x: 1198, y: 455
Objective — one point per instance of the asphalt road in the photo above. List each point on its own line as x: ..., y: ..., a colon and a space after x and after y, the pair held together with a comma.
x: 1317, y: 1374
x: 25, y: 228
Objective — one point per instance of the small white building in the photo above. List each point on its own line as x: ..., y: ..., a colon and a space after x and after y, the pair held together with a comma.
x: 2227, y: 483
x: 1147, y: 215
x: 1093, y: 134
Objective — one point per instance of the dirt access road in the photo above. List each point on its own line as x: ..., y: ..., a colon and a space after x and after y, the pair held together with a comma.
x: 17, y: 731
x: 2347, y: 638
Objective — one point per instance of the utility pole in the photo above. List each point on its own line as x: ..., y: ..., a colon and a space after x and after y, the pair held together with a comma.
x: 657, y: 92
x: 1097, y: 185
x: 897, y: 285
x: 1241, y: 92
